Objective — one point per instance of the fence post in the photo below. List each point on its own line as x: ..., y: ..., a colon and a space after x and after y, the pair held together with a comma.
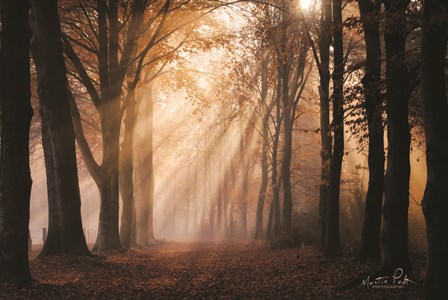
x: 44, y: 234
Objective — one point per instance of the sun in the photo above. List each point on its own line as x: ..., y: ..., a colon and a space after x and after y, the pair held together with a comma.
x: 305, y: 4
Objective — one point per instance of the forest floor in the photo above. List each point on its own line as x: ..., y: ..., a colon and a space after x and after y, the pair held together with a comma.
x: 207, y: 270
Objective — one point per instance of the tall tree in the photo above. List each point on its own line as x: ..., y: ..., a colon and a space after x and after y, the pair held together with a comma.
x: 265, y: 109
x: 435, y: 201
x: 285, y: 63
x: 275, y: 180
x: 127, y: 171
x: 112, y: 69
x: 16, y: 114
x: 144, y: 155
x: 321, y: 55
x: 65, y: 231
x: 332, y: 242
x: 370, y: 240
x: 394, y: 251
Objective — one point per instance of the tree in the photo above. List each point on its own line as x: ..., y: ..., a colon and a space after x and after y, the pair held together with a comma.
x: 285, y: 63
x: 16, y: 114
x: 322, y: 59
x: 275, y: 179
x: 111, y: 48
x: 435, y: 202
x: 370, y: 240
x: 65, y: 231
x: 266, y: 111
x: 128, y: 228
x: 332, y: 241
x: 394, y: 251
x: 112, y: 70
x: 144, y: 155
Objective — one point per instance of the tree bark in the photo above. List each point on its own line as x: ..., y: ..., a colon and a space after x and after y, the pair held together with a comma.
x: 108, y: 230
x: 325, y: 133
x: 394, y: 239
x: 112, y: 71
x: 370, y: 239
x: 269, y: 225
x: 219, y: 198
x: 16, y: 114
x: 435, y: 200
x: 287, y: 129
x: 245, y: 198
x: 147, y: 170
x: 225, y: 195
x: 65, y: 230
x: 264, y: 179
x: 332, y: 241
x: 277, y: 223
x: 264, y: 151
x: 126, y: 173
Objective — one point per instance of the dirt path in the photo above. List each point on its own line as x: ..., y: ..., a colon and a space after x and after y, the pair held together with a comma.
x: 249, y: 270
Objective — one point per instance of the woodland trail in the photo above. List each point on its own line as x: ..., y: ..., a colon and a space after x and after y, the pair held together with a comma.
x: 202, y: 270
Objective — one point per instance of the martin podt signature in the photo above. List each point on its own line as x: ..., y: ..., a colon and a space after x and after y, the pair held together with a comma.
x: 398, y: 280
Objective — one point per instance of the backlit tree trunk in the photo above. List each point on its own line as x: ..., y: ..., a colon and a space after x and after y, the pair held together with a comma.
x: 275, y: 182
x: 16, y: 113
x: 394, y: 239
x: 324, y: 96
x: 287, y: 128
x: 370, y: 239
x: 144, y: 153
x: 332, y: 242
x: 435, y: 201
x: 264, y: 151
x: 65, y: 231
x: 126, y: 173
x: 112, y: 69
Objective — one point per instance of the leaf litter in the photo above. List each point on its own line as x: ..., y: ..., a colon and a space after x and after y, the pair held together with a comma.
x: 204, y: 270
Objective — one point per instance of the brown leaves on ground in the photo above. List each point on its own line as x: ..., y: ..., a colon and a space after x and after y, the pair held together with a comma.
x: 202, y: 270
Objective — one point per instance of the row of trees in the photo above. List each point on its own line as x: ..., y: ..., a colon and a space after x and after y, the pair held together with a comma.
x: 102, y: 50
x: 385, y: 229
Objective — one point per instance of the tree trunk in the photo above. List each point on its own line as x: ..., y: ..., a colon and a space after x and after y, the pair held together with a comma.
x: 108, y: 230
x: 287, y: 131
x: 370, y: 239
x: 332, y: 242
x: 147, y: 171
x: 195, y: 207
x: 264, y: 178
x: 266, y: 112
x: 277, y: 224
x: 65, y: 231
x: 287, y: 152
x: 126, y: 172
x: 219, y: 197
x: 325, y: 134
x: 108, y: 237
x: 226, y: 202
x: 245, y: 174
x: 435, y: 201
x: 394, y: 239
x: 231, y: 225
x: 112, y: 71
x: 110, y: 87
x: 208, y: 196
x: 269, y: 225
x: 16, y: 113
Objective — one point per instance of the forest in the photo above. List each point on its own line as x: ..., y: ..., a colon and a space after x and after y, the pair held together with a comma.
x: 223, y: 149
